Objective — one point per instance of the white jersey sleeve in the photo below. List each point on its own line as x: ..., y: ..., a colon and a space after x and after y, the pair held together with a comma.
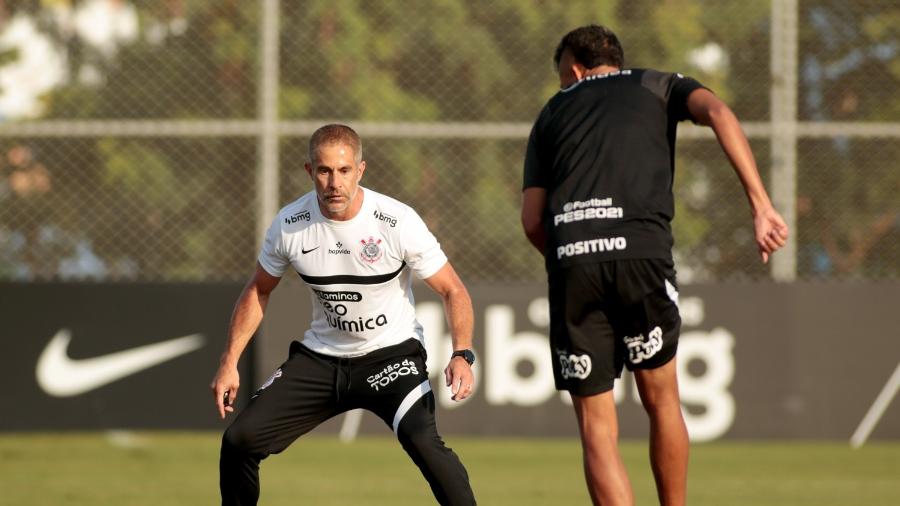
x: 421, y: 250
x: 273, y: 257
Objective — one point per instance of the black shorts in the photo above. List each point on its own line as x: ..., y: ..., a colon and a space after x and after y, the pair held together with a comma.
x: 608, y: 315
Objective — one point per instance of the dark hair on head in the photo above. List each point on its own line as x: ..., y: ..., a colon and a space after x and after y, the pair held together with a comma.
x: 335, y: 134
x: 592, y: 46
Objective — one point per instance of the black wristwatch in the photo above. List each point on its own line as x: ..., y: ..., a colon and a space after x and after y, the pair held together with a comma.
x: 467, y: 355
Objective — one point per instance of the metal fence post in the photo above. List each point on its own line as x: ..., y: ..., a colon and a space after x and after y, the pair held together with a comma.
x: 267, y: 170
x: 783, y: 115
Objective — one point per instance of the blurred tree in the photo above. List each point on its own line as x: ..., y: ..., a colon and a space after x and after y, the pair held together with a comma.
x: 183, y: 206
x: 165, y: 205
x: 849, y: 69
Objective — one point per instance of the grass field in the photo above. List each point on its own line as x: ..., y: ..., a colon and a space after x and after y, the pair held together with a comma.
x: 151, y: 468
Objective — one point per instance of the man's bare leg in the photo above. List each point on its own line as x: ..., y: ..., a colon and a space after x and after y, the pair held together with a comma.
x: 668, y: 433
x: 604, y: 471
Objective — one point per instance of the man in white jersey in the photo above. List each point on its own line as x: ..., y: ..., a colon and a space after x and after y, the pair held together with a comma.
x: 356, y: 250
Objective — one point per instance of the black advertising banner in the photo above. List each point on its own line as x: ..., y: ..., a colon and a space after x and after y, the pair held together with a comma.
x: 815, y: 361
x: 97, y: 356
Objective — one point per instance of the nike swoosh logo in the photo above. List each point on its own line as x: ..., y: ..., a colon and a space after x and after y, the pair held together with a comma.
x: 305, y: 251
x: 60, y: 376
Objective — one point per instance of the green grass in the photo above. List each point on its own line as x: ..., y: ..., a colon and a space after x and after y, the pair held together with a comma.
x: 150, y: 468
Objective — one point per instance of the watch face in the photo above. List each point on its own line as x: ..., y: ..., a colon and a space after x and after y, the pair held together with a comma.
x: 467, y: 355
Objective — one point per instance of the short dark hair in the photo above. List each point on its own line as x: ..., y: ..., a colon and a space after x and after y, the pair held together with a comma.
x: 335, y: 134
x: 592, y: 46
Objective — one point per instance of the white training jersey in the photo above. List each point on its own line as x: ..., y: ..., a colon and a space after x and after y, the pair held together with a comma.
x: 358, y: 271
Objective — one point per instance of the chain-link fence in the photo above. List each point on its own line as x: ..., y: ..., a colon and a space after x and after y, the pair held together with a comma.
x: 152, y: 141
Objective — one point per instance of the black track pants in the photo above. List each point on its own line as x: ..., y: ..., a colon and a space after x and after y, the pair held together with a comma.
x: 310, y: 388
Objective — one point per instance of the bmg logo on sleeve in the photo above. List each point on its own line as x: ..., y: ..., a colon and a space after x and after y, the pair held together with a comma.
x: 297, y: 217
x: 387, y: 218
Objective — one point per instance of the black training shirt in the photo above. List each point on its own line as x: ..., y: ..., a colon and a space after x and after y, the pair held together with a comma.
x: 604, y: 149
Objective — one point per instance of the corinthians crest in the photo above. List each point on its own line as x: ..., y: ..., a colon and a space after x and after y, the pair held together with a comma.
x: 371, y: 251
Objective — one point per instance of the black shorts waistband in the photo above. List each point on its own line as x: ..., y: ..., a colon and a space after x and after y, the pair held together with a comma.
x: 411, y: 346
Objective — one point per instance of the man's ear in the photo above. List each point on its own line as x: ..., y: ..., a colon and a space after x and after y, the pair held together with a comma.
x: 308, y: 168
x: 362, y: 169
x: 579, y: 70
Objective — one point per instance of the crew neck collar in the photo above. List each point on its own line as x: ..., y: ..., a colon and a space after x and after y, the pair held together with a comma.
x: 612, y: 73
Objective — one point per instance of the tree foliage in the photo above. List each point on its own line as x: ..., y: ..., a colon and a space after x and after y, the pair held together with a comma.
x: 182, y: 207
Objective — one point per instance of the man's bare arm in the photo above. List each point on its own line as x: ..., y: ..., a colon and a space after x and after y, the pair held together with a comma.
x: 709, y: 110
x: 461, y: 319
x: 245, y: 319
x: 534, y: 199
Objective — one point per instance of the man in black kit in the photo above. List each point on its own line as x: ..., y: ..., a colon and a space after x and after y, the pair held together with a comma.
x: 597, y: 203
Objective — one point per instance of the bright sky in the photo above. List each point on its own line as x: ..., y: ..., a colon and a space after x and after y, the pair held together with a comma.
x: 40, y: 66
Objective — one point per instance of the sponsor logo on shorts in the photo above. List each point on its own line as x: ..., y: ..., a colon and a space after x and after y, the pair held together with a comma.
x: 387, y: 218
x: 297, y: 217
x: 275, y: 375
x: 390, y: 373
x: 641, y: 348
x: 574, y: 366
x: 598, y: 245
